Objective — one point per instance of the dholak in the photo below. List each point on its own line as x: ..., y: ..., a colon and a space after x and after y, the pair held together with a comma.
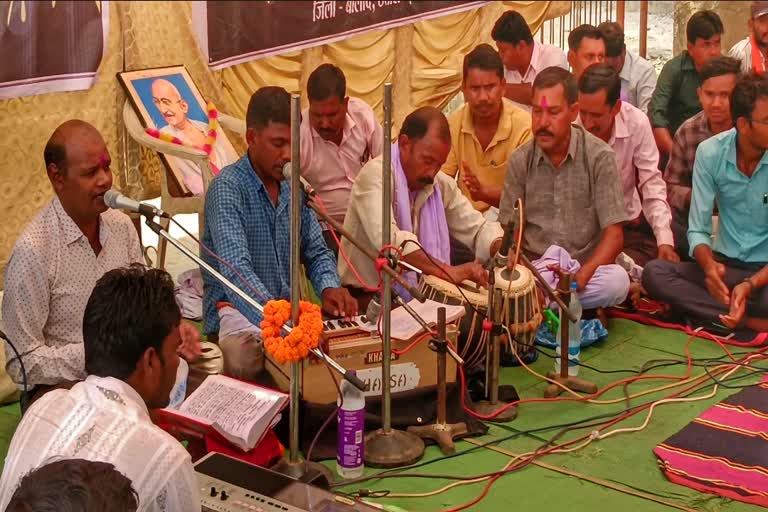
x: 519, y: 309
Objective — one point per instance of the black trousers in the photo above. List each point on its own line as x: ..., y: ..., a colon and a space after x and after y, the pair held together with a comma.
x: 681, y: 285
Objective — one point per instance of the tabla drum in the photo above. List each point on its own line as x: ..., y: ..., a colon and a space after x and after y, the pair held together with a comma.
x: 472, y: 340
x: 520, y: 312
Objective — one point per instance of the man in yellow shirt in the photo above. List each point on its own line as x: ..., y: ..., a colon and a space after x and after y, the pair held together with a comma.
x: 484, y: 132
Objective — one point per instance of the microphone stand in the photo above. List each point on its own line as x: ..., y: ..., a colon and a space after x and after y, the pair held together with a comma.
x: 388, y: 447
x: 366, y: 250
x: 292, y: 465
x: 492, y: 405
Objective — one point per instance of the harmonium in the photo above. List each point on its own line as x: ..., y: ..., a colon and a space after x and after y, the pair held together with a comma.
x: 413, y: 362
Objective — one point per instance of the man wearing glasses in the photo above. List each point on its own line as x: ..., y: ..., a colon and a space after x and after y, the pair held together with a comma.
x: 727, y: 283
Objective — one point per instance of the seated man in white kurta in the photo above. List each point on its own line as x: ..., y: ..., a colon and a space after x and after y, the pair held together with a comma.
x: 427, y: 207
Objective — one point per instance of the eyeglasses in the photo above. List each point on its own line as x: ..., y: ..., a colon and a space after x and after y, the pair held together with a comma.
x: 165, y: 101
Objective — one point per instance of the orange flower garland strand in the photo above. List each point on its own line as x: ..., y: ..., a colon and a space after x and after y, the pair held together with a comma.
x: 302, y: 338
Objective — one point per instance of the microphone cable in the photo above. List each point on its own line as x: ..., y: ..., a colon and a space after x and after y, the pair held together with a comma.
x: 23, y: 369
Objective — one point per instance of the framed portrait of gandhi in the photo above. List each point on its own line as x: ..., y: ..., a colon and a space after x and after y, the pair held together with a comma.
x: 166, y: 99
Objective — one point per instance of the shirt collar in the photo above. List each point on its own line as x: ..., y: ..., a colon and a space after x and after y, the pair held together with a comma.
x: 246, y: 168
x: 733, y: 136
x: 620, y: 130
x: 702, y: 125
x: 503, y: 129
x: 573, y: 145
x: 119, y: 392
x: 687, y: 62
x: 626, y: 69
x: 72, y: 232
x: 349, y: 126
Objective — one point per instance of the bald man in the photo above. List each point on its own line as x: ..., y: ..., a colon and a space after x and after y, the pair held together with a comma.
x: 175, y: 109
x: 58, y: 258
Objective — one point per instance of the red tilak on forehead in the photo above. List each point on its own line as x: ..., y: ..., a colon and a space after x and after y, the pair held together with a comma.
x: 544, y: 102
x: 104, y: 160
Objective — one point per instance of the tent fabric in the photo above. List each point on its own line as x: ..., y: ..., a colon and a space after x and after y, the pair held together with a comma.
x: 423, y: 61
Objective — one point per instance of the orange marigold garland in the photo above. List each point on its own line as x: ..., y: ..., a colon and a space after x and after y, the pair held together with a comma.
x: 302, y: 338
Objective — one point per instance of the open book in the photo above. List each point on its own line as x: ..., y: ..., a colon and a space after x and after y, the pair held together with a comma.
x: 240, y: 412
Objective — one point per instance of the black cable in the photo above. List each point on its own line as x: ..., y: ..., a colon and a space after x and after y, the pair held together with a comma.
x: 23, y: 399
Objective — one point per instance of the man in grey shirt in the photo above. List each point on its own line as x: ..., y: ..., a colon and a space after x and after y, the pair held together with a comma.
x: 567, y: 181
x: 638, y: 78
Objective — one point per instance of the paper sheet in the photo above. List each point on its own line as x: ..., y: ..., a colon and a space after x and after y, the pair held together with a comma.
x: 405, y: 327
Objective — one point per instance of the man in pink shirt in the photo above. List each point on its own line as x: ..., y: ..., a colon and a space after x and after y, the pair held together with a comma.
x: 339, y: 135
x: 627, y: 130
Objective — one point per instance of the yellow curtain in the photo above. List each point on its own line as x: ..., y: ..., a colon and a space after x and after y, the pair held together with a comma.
x: 422, y: 60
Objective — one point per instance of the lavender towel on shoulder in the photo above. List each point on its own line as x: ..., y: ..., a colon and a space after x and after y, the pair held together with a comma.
x: 433, y: 226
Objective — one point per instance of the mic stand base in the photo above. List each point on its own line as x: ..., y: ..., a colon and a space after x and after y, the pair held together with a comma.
x: 392, y: 448
x: 305, y: 471
x: 441, y: 432
x: 488, y: 408
x: 573, y: 383
x: 561, y: 376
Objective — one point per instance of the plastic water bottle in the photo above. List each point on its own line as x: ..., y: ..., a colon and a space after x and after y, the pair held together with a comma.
x: 350, y: 429
x: 574, y: 336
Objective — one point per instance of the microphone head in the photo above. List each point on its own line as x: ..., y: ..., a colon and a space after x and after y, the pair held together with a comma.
x: 373, y: 311
x: 111, y: 197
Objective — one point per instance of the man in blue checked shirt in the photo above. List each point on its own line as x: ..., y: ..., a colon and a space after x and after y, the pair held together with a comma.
x: 727, y: 283
x: 247, y: 224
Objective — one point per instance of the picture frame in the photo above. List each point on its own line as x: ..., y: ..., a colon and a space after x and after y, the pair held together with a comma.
x: 168, y: 100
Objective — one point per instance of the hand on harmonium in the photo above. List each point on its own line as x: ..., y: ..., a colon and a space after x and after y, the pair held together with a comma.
x: 472, y: 271
x: 338, y: 303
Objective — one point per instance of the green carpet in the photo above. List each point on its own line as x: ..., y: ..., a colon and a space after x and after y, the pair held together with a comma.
x: 626, y: 459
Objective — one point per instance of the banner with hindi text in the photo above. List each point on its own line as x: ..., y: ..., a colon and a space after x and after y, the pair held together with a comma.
x: 231, y: 33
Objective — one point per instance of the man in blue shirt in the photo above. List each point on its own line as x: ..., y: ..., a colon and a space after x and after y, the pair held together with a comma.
x: 727, y: 283
x: 247, y: 225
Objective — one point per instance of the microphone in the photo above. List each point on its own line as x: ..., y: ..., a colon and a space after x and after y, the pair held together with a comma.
x: 308, y: 189
x: 116, y: 200
x: 502, y: 257
x: 373, y: 311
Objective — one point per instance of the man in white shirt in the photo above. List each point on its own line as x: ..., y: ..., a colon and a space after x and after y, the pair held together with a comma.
x: 339, y: 135
x: 130, y: 337
x: 638, y: 77
x: 752, y: 51
x: 58, y: 258
x: 427, y: 207
x: 586, y: 46
x: 523, y: 57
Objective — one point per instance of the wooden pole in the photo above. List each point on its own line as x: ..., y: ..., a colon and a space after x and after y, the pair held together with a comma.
x: 643, y: 28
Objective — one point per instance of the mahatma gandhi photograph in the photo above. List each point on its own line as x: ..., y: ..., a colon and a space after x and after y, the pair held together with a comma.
x: 167, y: 99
